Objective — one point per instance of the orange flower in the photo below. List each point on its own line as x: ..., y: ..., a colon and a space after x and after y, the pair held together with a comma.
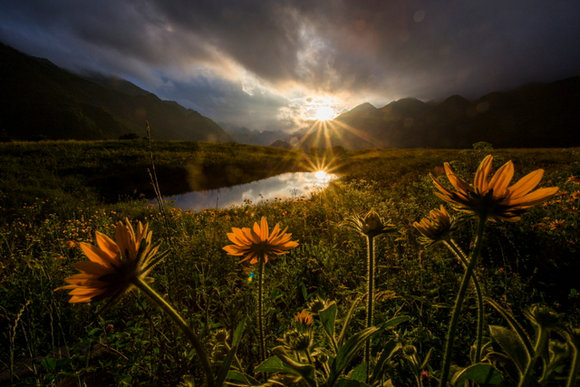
x: 304, y: 318
x: 113, y: 265
x: 258, y: 243
x: 493, y: 198
x: 435, y: 228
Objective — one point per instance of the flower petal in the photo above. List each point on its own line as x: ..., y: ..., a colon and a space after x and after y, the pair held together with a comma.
x: 533, y: 198
x: 526, y: 184
x: 501, y: 179
x: 96, y: 255
x: 264, y: 227
x: 455, y: 181
x: 480, y: 179
x: 107, y: 244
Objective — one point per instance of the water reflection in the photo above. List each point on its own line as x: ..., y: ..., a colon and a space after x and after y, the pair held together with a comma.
x: 284, y: 186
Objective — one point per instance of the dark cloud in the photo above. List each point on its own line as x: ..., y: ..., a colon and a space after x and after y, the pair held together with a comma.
x: 196, y: 51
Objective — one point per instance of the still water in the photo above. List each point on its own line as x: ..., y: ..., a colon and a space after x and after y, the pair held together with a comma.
x: 284, y: 186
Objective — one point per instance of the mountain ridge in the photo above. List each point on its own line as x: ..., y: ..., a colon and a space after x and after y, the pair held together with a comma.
x: 43, y: 101
x: 531, y: 115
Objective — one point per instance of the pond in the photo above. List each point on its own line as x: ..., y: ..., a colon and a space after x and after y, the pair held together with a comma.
x: 284, y: 186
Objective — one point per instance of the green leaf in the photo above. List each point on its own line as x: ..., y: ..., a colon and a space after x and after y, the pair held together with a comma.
x: 348, y: 351
x: 518, y: 329
x: 328, y: 317
x: 275, y: 365
x: 235, y: 377
x: 481, y: 373
x: 394, y: 322
x: 223, y: 371
x: 304, y: 370
x: 389, y: 349
x: 359, y: 373
x: 347, y: 320
x: 510, y: 343
x: 48, y: 363
x: 350, y: 383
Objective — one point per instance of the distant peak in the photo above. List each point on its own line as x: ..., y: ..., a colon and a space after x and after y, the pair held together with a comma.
x: 364, y: 107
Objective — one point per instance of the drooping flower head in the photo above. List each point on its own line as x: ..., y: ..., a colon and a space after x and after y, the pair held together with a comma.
x: 492, y: 198
x: 113, y: 265
x: 258, y: 243
x: 435, y: 228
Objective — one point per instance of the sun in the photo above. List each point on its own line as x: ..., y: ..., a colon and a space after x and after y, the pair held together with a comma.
x: 324, y: 113
x: 322, y: 176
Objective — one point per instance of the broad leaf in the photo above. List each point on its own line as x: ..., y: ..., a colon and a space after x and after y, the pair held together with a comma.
x: 350, y: 383
x: 236, y: 378
x: 394, y: 322
x: 328, y: 318
x: 275, y: 365
x: 482, y: 374
x: 348, y: 351
x: 513, y: 323
x: 389, y: 349
x: 359, y: 373
x: 304, y: 370
x: 510, y: 343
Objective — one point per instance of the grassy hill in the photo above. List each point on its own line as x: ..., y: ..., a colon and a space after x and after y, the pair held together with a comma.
x: 42, y: 101
x: 55, y: 200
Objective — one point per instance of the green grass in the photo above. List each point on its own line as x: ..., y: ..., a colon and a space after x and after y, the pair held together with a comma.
x: 54, y: 192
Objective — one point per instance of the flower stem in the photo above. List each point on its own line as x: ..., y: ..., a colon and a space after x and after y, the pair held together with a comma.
x: 454, y: 247
x: 370, y: 296
x: 261, y: 310
x: 459, y: 303
x: 176, y: 317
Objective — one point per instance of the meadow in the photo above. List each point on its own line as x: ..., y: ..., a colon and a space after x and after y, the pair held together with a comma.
x: 52, y: 193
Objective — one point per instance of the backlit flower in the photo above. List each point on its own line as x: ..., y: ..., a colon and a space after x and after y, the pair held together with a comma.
x: 435, y: 228
x: 304, y: 318
x: 370, y: 225
x: 258, y: 243
x: 492, y: 198
x: 113, y: 265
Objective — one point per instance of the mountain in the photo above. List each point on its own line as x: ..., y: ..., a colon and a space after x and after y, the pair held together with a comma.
x: 243, y: 135
x: 42, y: 101
x: 533, y: 115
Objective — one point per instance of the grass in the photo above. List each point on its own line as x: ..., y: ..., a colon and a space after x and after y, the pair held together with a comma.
x: 54, y: 192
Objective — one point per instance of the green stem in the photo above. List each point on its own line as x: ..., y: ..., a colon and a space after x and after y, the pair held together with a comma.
x: 176, y: 317
x: 459, y: 303
x: 539, y: 347
x: 261, y: 310
x: 370, y: 296
x: 454, y: 247
x: 575, y: 367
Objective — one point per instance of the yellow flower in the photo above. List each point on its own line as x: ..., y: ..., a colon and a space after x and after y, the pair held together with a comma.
x: 304, y: 318
x: 113, y: 266
x: 258, y: 243
x: 435, y: 228
x: 493, y: 198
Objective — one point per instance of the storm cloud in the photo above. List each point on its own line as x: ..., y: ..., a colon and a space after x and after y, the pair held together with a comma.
x: 248, y: 62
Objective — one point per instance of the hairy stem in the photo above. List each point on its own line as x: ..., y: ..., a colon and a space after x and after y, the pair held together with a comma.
x: 454, y: 247
x: 370, y: 296
x: 459, y: 303
x: 180, y: 321
x: 261, y: 310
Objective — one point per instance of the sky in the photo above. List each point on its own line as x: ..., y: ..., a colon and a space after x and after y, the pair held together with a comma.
x: 273, y: 64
